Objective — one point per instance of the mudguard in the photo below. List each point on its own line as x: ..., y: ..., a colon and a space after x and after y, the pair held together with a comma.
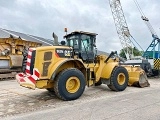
x: 54, y: 68
x: 107, y: 69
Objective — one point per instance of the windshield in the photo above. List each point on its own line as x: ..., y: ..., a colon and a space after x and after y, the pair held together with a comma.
x: 86, y: 43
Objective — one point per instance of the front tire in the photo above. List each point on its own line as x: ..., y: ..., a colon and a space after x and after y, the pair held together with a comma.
x: 69, y: 84
x: 119, y: 79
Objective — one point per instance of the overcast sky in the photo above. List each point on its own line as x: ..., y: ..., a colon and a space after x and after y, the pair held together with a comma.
x: 42, y: 17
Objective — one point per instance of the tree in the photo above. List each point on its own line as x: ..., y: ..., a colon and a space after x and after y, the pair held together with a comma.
x: 136, y: 52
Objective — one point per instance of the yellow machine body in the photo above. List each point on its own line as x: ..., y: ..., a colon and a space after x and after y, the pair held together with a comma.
x: 100, y: 69
x: 67, y: 70
x: 48, y: 69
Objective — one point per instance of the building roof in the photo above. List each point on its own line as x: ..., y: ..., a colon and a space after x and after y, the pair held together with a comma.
x: 4, y: 33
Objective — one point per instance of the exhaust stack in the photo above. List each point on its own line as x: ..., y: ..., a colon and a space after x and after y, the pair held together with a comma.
x: 55, y: 38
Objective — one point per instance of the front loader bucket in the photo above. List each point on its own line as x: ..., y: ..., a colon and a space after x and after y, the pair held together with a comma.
x: 137, y: 76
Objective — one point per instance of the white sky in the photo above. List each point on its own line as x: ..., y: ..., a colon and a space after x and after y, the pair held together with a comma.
x: 42, y: 17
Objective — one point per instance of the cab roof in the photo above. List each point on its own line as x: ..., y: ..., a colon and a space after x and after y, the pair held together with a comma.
x: 81, y: 32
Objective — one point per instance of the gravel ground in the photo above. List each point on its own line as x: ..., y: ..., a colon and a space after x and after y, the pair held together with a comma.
x: 18, y: 100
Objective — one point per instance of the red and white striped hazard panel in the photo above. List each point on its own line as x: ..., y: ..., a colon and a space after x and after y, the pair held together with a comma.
x: 28, y: 64
x: 28, y: 81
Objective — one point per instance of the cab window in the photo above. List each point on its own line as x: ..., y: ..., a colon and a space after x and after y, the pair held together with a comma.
x: 72, y: 41
x: 86, y: 43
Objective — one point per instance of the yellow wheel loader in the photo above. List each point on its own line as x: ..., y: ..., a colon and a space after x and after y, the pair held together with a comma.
x: 67, y: 68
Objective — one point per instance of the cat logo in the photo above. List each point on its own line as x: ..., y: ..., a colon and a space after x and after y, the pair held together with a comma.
x: 67, y: 53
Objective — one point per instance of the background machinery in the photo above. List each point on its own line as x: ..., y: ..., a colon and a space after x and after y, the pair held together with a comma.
x: 12, y: 45
x: 152, y: 53
x: 125, y: 37
x: 66, y: 69
x: 122, y: 28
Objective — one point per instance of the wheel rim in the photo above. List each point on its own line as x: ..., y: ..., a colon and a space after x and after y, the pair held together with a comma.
x: 72, y: 84
x: 121, y: 79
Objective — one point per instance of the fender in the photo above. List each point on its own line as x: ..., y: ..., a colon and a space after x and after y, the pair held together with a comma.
x: 107, y: 69
x: 54, y: 69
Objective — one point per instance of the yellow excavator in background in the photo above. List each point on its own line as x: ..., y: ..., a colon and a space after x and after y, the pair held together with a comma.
x: 67, y: 68
x: 11, y: 57
x: 12, y: 46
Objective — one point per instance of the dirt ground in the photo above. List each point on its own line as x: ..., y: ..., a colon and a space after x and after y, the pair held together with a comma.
x: 15, y: 99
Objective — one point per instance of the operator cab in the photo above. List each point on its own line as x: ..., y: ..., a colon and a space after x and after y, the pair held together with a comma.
x: 83, y: 44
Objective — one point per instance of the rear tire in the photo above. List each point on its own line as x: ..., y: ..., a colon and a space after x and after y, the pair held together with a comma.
x: 69, y: 84
x: 119, y: 79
